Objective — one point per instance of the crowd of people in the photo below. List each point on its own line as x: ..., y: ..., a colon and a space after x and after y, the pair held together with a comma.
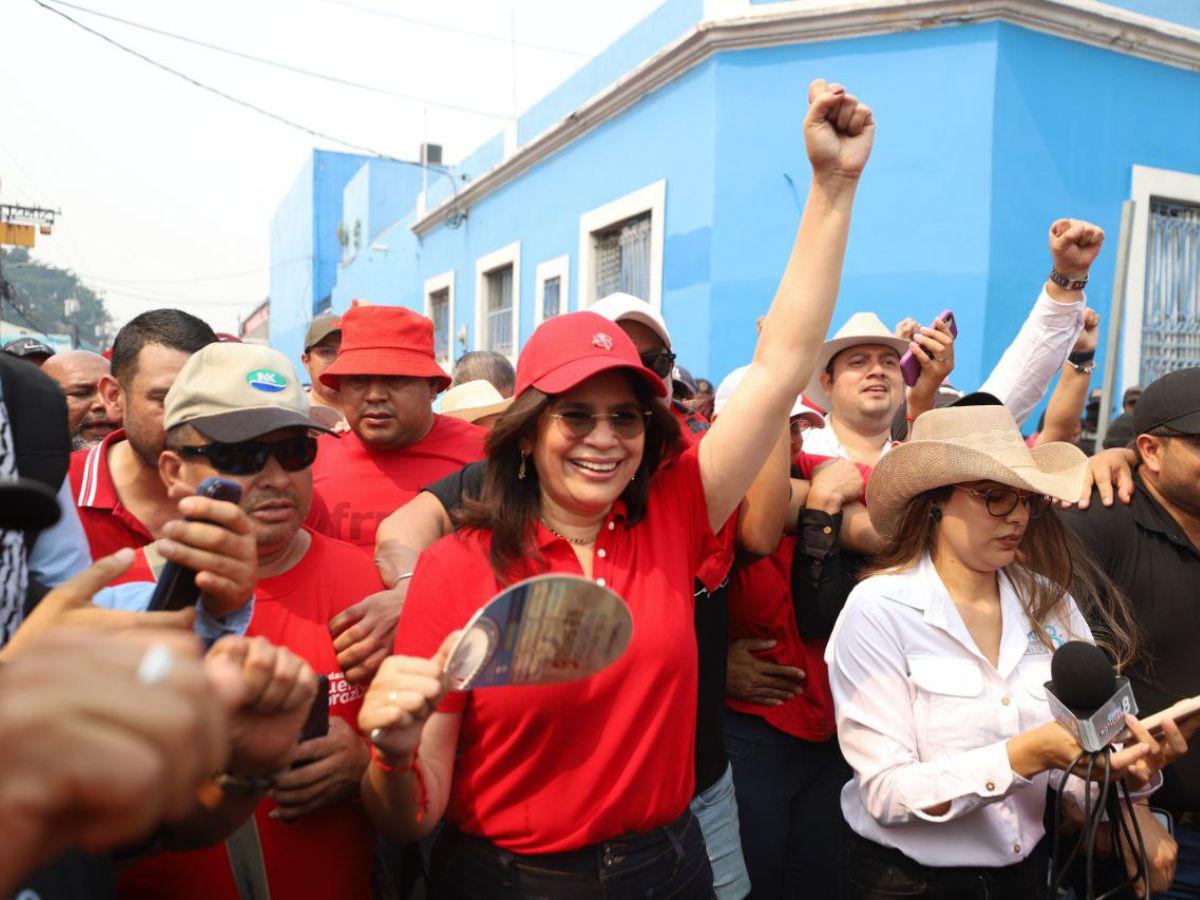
x: 846, y: 592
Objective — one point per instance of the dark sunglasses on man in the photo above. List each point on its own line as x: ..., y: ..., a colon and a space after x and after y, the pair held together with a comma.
x: 660, y: 362
x: 250, y: 457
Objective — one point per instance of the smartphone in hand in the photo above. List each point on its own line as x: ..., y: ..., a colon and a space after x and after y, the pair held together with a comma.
x: 176, y: 588
x: 910, y: 366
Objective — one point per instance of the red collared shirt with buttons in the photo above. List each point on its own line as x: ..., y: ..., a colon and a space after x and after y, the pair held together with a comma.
x: 109, y: 526
x: 554, y: 768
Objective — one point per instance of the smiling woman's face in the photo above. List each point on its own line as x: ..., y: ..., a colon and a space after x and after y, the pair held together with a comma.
x: 584, y: 475
x: 981, y: 541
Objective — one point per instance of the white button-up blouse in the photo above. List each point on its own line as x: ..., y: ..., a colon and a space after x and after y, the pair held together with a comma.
x: 923, y: 718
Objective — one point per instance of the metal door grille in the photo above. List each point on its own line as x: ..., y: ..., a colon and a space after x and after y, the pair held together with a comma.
x: 1171, y: 317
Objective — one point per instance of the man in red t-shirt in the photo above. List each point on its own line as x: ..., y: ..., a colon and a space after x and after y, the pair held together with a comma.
x: 237, y: 411
x: 387, y: 378
x: 121, y: 499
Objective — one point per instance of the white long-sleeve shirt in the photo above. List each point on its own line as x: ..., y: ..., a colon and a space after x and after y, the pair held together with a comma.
x: 1024, y: 372
x: 924, y: 718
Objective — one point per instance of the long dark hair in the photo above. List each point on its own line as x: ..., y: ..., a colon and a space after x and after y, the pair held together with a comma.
x: 508, y: 507
x: 1052, y: 564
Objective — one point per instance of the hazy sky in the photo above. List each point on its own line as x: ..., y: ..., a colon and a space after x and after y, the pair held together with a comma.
x: 167, y: 191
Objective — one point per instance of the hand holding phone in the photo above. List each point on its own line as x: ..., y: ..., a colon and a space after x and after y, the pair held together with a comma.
x: 910, y: 366
x: 176, y: 588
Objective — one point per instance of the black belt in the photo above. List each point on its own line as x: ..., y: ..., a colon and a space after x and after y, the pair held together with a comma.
x: 594, y: 857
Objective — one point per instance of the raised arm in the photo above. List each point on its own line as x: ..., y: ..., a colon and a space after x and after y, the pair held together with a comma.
x: 838, y: 132
x: 1023, y: 374
x: 1066, y: 405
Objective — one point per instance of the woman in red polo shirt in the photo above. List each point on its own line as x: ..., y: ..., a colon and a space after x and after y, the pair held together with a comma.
x: 582, y: 790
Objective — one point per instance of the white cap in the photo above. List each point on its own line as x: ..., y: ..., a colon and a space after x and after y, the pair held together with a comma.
x: 626, y: 307
x: 802, y: 407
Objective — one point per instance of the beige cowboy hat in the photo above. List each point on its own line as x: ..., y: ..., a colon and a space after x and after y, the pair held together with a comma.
x: 472, y: 400
x: 969, y: 443
x: 860, y: 328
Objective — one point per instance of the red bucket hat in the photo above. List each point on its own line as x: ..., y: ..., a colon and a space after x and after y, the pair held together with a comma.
x: 571, y: 348
x: 385, y: 340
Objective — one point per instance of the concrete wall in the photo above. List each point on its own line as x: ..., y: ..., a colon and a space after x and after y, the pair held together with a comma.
x: 1063, y: 150
x: 305, y: 253
x: 918, y: 239
x: 986, y: 134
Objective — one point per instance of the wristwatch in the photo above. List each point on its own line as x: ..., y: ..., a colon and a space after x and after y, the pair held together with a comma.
x: 1066, y: 282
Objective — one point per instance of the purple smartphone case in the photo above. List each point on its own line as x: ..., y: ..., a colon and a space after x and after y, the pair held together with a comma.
x: 910, y: 368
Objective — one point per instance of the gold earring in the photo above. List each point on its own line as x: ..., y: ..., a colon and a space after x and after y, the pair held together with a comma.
x: 521, y: 468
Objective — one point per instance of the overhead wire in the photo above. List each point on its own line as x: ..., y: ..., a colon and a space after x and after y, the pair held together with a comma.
x: 287, y: 67
x: 313, y: 132
x: 453, y: 29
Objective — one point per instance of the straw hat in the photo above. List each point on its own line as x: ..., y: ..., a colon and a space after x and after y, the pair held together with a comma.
x: 472, y: 400
x: 963, y: 444
x: 860, y: 328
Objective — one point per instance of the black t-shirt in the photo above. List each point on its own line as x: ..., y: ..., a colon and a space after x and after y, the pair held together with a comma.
x: 1149, y: 556
x: 712, y: 639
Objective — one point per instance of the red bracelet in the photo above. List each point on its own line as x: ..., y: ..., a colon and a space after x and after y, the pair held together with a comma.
x: 910, y: 419
x: 422, y: 798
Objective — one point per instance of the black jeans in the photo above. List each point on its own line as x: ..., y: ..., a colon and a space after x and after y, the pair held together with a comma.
x: 871, y: 871
x: 668, y: 862
x: 788, y: 793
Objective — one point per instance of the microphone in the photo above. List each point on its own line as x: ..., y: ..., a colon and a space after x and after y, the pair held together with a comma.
x: 1087, y: 697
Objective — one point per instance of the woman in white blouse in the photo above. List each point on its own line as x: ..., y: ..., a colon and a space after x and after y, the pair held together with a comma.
x: 938, y: 663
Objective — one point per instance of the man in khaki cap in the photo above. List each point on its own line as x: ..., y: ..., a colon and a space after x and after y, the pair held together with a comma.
x: 238, y: 411
x: 321, y: 344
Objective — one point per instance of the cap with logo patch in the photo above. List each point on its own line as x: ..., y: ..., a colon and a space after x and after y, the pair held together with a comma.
x: 571, y: 348
x: 29, y: 348
x: 235, y: 392
x: 321, y: 327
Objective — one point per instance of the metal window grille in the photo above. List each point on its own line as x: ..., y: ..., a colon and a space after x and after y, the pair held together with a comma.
x: 499, y: 318
x: 1171, y: 319
x: 551, y: 292
x: 439, y: 312
x: 622, y: 257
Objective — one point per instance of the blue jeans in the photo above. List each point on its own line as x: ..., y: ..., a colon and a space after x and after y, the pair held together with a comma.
x: 668, y: 862
x: 788, y: 793
x: 717, y: 811
x: 1187, y: 867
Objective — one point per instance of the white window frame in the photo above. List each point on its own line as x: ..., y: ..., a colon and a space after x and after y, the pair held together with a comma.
x: 444, y: 281
x: 510, y: 254
x: 651, y: 199
x: 560, y: 268
x: 1147, y: 183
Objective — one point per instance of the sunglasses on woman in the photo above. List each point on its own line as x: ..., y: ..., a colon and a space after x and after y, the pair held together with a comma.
x: 1002, y: 501
x: 660, y: 362
x: 626, y: 423
x: 250, y: 457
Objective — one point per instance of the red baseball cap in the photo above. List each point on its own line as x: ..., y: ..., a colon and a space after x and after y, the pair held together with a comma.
x: 571, y: 348
x: 385, y: 340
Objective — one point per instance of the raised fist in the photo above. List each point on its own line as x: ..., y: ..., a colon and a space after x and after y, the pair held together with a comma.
x: 838, y: 131
x: 1086, y: 342
x: 1074, y: 246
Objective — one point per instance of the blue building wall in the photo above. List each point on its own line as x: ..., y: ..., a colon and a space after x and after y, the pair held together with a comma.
x: 918, y: 239
x: 981, y: 144
x: 1072, y: 155
x: 305, y: 253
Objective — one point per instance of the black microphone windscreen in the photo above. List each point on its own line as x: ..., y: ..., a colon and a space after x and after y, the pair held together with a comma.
x: 1082, y: 676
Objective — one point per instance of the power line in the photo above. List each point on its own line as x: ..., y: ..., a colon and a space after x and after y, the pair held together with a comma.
x: 232, y: 99
x: 280, y: 65
x: 387, y: 14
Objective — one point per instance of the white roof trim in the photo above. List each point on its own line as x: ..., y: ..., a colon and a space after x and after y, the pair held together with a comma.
x: 1084, y: 21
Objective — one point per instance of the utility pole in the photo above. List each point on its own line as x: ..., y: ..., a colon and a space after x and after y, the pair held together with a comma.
x: 20, y: 224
